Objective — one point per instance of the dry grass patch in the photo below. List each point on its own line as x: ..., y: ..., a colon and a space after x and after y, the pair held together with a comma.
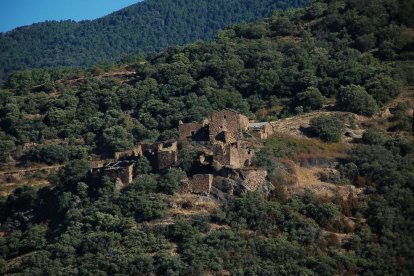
x: 286, y: 146
x: 187, y: 204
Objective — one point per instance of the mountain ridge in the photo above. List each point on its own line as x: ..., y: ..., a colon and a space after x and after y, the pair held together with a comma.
x: 143, y: 27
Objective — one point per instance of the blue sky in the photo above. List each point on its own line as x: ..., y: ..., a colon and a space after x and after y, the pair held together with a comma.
x: 16, y: 13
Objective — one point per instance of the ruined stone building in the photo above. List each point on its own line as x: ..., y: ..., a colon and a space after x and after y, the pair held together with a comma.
x: 199, y: 184
x: 260, y: 130
x: 230, y: 148
x: 235, y: 155
x: 227, y: 126
x: 193, y: 131
x: 120, y: 172
x: 161, y: 156
x: 226, y: 146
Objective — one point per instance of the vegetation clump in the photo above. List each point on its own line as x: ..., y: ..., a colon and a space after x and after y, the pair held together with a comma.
x: 354, y: 98
x: 327, y: 128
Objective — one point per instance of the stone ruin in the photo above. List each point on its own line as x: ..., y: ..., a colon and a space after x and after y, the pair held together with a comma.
x: 254, y: 178
x: 227, y: 126
x: 193, y: 131
x: 121, y: 172
x: 230, y: 147
x: 226, y: 158
x: 199, y: 184
x: 235, y: 155
x: 129, y: 154
x: 260, y: 130
x: 161, y: 156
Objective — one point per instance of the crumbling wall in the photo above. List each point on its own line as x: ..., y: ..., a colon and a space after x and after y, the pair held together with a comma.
x: 245, y: 154
x: 188, y: 130
x: 227, y: 124
x: 125, y: 175
x: 167, y: 155
x: 193, y: 131
x: 129, y: 154
x: 244, y: 122
x: 199, y: 184
x: 236, y: 155
x: 221, y: 155
x: 118, y: 171
x: 97, y: 164
x: 261, y: 130
x: 161, y: 155
x: 254, y: 178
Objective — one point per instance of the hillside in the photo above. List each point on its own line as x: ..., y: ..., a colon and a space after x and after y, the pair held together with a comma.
x: 327, y: 191
x: 151, y: 25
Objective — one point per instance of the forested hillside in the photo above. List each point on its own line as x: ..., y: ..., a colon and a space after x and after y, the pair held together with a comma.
x: 340, y: 56
x: 148, y: 26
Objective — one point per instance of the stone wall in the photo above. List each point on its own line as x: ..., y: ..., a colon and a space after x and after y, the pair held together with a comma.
x: 118, y: 171
x: 193, y: 131
x: 161, y: 155
x: 167, y: 155
x: 227, y: 124
x: 129, y: 154
x: 199, y: 184
x: 245, y: 154
x: 125, y: 175
x: 254, y: 178
x: 236, y: 155
x: 261, y: 130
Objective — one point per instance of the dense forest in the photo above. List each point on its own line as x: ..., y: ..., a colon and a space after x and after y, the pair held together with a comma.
x: 151, y: 25
x: 356, y: 54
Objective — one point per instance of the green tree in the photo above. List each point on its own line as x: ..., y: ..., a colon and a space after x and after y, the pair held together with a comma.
x: 171, y: 181
x: 142, y: 166
x: 6, y: 147
x: 327, y: 128
x: 116, y: 138
x: 310, y: 99
x: 355, y: 98
x: 375, y: 137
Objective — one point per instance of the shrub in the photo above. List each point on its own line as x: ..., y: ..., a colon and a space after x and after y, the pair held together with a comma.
x: 327, y: 128
x: 49, y: 154
x: 142, y: 166
x: 171, y: 181
x: 354, y: 98
x: 374, y: 137
x: 311, y: 99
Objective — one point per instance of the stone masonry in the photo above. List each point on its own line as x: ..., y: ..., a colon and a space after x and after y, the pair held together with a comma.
x: 199, y: 184
x: 261, y: 130
x: 120, y: 171
x: 193, y: 131
x: 224, y: 144
x: 236, y: 155
x: 254, y: 178
x: 227, y: 126
x: 129, y: 154
x: 161, y: 155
